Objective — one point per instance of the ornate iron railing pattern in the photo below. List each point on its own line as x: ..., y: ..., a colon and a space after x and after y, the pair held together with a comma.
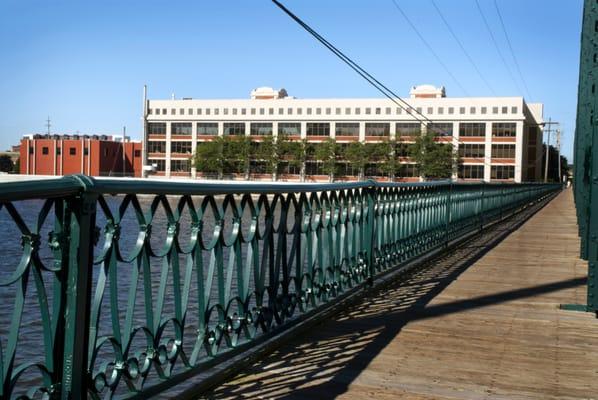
x: 147, y: 283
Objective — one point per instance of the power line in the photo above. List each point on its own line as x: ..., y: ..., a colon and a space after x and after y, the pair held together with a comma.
x: 442, y: 64
x: 496, y: 46
x: 502, y: 24
x: 413, y: 112
x: 450, y: 29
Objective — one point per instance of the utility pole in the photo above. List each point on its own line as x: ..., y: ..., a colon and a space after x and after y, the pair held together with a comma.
x: 558, y: 147
x: 48, y: 125
x: 549, y: 124
x: 124, y: 156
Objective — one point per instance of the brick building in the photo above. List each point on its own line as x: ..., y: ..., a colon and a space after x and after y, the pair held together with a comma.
x: 95, y: 155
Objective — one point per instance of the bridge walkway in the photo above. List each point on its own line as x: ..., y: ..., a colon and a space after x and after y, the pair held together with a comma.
x: 487, y: 328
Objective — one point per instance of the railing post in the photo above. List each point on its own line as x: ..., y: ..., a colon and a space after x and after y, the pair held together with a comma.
x: 448, y: 214
x: 75, y: 378
x: 482, y: 206
x: 371, y: 230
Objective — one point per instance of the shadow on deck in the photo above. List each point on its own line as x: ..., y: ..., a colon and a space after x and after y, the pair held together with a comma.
x: 480, y: 322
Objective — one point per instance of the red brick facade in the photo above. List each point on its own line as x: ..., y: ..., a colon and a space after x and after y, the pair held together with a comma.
x: 67, y: 155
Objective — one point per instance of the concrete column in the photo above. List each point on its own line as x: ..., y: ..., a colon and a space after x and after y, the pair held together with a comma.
x: 333, y: 129
x: 247, y: 128
x: 519, y: 152
x: 455, y: 144
x: 221, y: 128
x: 275, y: 129
x: 303, y: 130
x: 361, y: 131
x: 488, y: 151
x: 168, y: 141
x: 193, y: 149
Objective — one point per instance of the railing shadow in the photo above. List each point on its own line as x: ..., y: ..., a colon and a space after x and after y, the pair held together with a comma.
x: 324, y: 364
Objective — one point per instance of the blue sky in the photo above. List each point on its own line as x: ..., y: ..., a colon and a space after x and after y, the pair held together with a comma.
x: 84, y: 63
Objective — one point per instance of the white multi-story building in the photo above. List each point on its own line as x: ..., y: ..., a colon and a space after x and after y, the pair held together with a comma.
x: 499, y: 138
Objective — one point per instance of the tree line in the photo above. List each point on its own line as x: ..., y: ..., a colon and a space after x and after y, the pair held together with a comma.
x: 225, y: 155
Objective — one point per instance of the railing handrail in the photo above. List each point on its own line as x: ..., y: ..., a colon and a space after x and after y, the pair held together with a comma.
x: 73, y: 184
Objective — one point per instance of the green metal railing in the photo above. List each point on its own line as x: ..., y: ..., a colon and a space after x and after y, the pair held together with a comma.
x: 586, y: 153
x: 145, y: 283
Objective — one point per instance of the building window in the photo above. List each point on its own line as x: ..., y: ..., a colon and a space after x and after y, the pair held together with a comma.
x: 502, y: 172
x: 494, y: 110
x: 190, y: 111
x: 318, y: 129
x: 408, y: 171
x: 347, y: 129
x: 157, y: 111
x: 137, y: 153
x: 472, y: 129
x: 281, y: 111
x: 387, y: 110
x: 173, y: 111
x: 207, y: 128
x: 199, y: 111
x: 378, y: 110
x: 399, y: 110
x: 318, y: 111
x: 58, y: 151
x: 156, y: 128
x: 261, y: 129
x: 180, y: 147
x: 73, y: 151
x: 430, y: 110
x: 484, y: 110
x: 207, y: 111
x: 408, y: 129
x: 503, y: 151
x: 504, y: 129
x: 149, y: 111
x: 225, y: 111
x: 513, y: 110
x: 328, y: 111
x: 181, y: 128
x: 85, y: 151
x: 289, y: 111
x: 441, y: 128
x: 156, y: 147
x: 216, y: 111
x: 182, y: 111
x: 451, y: 110
x: 419, y: 110
x: 461, y: 110
x: 357, y: 111
x: 159, y: 164
x: 505, y: 110
x: 289, y: 128
x: 377, y: 129
x: 472, y: 110
x: 270, y: 111
x: 234, y: 128
x: 45, y: 150
x: 440, y: 110
x: 299, y: 111
x: 368, y: 110
x: 234, y: 111
x: 471, y: 150
x: 179, y: 165
x: 308, y: 111
x: 471, y: 171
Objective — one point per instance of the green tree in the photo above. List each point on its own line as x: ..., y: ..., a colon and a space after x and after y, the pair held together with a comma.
x: 385, y: 154
x: 237, y: 152
x: 356, y: 154
x: 209, y: 157
x: 434, y: 160
x: 326, y: 152
x: 6, y: 164
x: 295, y: 153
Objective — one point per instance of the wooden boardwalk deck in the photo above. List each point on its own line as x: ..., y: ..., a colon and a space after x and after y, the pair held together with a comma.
x: 488, y: 330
